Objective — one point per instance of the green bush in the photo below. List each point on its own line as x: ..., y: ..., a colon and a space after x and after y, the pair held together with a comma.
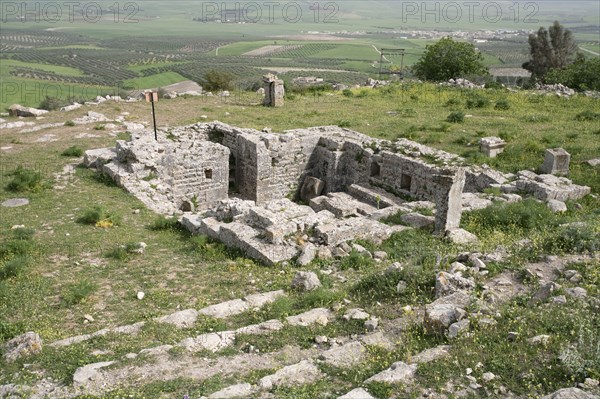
x: 502, y: 105
x: 13, y: 267
x: 100, y: 217
x: 69, y: 123
x: 347, y: 93
x: 217, y: 80
x: 456, y: 117
x: 164, y: 223
x: 525, y: 215
x: 51, y: 103
x: 588, y: 115
x: 25, y: 179
x: 77, y: 292
x: 72, y: 151
x: 573, y: 240
x: 477, y: 101
x: 355, y: 260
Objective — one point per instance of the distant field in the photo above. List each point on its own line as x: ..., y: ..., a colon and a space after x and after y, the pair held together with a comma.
x: 158, y: 80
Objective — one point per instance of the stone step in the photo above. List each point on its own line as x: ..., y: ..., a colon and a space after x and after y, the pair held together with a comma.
x: 374, y: 196
x: 341, y: 205
x: 185, y: 318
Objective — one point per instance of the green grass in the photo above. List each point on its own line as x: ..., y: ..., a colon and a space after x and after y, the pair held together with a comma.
x: 65, y: 258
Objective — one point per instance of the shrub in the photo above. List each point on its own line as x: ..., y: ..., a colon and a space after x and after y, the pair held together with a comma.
x: 452, y: 102
x: 355, y: 260
x: 123, y: 252
x: 588, y: 115
x: 77, y: 292
x: 477, y: 101
x: 99, y: 127
x: 525, y: 215
x: 25, y: 179
x: 347, y: 93
x: 502, y: 105
x: 573, y: 240
x: 456, y: 117
x: 13, y: 267
x: 99, y: 217
x: 163, y: 223
x: 51, y: 103
x: 217, y: 80
x: 72, y: 151
x: 69, y: 123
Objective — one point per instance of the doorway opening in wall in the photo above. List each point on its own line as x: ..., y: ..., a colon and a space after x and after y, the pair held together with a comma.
x: 375, y: 170
x: 232, y: 183
x: 405, y: 182
x: 208, y: 174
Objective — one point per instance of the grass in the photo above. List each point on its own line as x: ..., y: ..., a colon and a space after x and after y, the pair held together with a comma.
x: 72, y: 151
x: 24, y: 180
x: 57, y: 257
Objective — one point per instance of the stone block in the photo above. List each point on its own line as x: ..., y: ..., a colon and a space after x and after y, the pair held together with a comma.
x: 556, y: 162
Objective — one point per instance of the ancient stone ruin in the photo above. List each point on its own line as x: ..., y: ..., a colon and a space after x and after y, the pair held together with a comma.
x: 556, y: 161
x: 274, y: 91
x: 305, y: 192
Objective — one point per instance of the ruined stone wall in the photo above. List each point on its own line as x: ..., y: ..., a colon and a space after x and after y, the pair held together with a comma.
x: 200, y: 180
x: 403, y: 174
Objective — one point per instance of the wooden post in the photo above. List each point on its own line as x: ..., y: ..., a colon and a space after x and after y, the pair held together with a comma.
x: 152, y: 97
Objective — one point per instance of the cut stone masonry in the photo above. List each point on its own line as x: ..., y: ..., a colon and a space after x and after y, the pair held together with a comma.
x: 237, y: 185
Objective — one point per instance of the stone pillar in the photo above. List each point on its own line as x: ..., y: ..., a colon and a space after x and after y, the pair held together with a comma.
x: 492, y: 146
x: 448, y: 199
x: 556, y: 162
x: 274, y: 91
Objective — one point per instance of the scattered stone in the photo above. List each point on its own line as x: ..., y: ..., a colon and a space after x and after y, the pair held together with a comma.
x: 213, y: 342
x: 512, y: 335
x: 457, y: 267
x: 371, y: 324
x: 457, y: 328
x: 347, y: 355
x: 304, y: 372
x: 594, y: 162
x: 306, y: 281
x: 243, y: 390
x: 431, y: 354
x: 446, y: 284
x: 15, y: 202
x: 544, y: 292
x: 577, y: 292
x: 324, y: 253
x: 88, y: 373
x: 307, y: 255
x: 378, y: 339
x: 488, y: 376
x: 311, y: 188
x: 399, y: 372
x: 19, y: 110
x: 345, y: 247
x: 225, y: 309
x: 381, y: 255
x: 556, y: 161
x: 492, y: 146
x: 27, y: 344
x: 461, y: 236
x: 88, y: 318
x: 557, y: 206
x: 394, y: 267
x: 314, y: 316
x: 401, y: 287
x: 321, y: 339
x: 140, y: 295
x: 559, y: 300
x: 539, y: 339
x: 570, y: 393
x: 356, y: 314
x: 357, y: 393
x: 182, y: 319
